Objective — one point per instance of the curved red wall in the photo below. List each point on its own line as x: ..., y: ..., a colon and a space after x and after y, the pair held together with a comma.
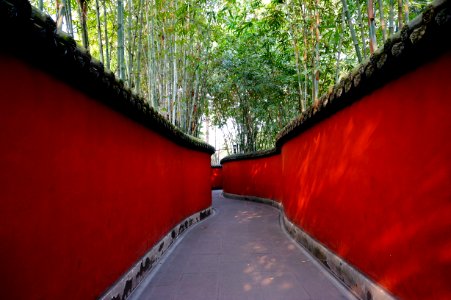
x: 216, y: 178
x: 84, y: 191
x: 260, y: 177
x: 373, y: 183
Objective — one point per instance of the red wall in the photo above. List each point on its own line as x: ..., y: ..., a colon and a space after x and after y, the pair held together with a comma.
x: 84, y: 191
x: 216, y: 178
x: 373, y: 183
x: 254, y: 177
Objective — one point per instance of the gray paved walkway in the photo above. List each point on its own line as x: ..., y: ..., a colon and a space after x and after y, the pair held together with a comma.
x: 239, y: 253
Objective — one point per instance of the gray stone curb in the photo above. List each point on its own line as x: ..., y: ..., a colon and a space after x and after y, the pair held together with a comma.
x: 138, y: 272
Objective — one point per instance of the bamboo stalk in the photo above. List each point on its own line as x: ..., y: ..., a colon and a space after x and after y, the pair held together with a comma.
x: 317, y: 61
x: 59, y: 15
x: 105, y: 24
x: 152, y: 81
x: 130, y: 47
x: 69, y: 22
x: 382, y: 20
x: 406, y: 11
x: 371, y: 25
x: 400, y: 23
x: 340, y: 42
x: 174, y: 65
x: 362, y: 29
x: 391, y: 23
x: 99, y: 31
x: 82, y: 11
x: 120, y: 39
x: 351, y: 28
x: 140, y: 46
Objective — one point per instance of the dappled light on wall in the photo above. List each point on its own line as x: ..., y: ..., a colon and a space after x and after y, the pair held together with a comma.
x: 372, y: 182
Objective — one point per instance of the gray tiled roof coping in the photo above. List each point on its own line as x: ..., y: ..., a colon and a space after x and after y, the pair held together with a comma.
x: 420, y: 41
x: 32, y: 36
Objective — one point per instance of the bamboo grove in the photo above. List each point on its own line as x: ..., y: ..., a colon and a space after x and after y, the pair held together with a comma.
x: 247, y: 66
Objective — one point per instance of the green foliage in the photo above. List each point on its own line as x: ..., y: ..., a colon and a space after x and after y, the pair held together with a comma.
x: 256, y: 87
x: 250, y: 65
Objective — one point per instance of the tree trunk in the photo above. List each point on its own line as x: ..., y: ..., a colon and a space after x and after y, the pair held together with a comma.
x: 151, y: 55
x: 140, y: 46
x: 60, y: 8
x: 83, y: 12
x: 306, y: 46
x: 406, y: 11
x: 184, y: 96
x: 120, y: 39
x: 68, y: 14
x: 362, y: 29
x: 194, y: 104
x: 317, y: 62
x: 351, y: 28
x: 382, y: 18
x: 105, y: 24
x: 340, y: 42
x: 158, y: 63
x: 373, y: 42
x: 301, y: 104
x: 391, y: 22
x: 130, y: 48
x: 399, y: 15
x: 166, y: 72
x: 99, y: 31
x: 174, y: 68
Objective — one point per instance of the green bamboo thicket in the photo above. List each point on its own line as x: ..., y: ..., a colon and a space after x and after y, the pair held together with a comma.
x: 246, y: 66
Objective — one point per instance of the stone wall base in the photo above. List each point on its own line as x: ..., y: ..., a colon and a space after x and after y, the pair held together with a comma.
x: 134, y: 276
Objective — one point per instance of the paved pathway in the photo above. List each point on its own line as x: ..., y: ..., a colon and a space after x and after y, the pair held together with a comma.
x: 241, y: 252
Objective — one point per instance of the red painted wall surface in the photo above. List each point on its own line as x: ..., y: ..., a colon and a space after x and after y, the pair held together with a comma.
x: 216, y: 178
x: 373, y: 183
x: 260, y: 177
x: 84, y: 191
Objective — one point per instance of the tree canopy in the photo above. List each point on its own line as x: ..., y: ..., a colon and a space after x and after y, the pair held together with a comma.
x: 247, y: 65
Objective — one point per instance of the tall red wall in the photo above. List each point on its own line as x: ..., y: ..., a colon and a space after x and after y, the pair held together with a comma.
x: 254, y: 177
x: 84, y: 191
x: 373, y: 183
x: 216, y: 178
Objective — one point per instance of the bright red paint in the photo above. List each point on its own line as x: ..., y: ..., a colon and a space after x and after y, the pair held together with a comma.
x: 84, y: 191
x: 260, y: 177
x: 373, y: 183
x: 216, y: 178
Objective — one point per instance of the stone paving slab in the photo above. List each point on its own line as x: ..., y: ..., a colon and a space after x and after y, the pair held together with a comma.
x: 239, y: 253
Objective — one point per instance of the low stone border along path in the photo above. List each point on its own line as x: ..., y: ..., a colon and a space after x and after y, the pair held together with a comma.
x: 241, y: 252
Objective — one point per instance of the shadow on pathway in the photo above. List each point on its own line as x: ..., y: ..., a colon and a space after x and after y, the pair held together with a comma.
x: 241, y: 252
